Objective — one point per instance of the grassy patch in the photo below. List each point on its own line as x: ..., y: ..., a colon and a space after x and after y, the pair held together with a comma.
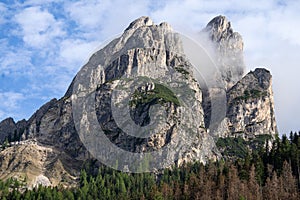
x: 160, y: 94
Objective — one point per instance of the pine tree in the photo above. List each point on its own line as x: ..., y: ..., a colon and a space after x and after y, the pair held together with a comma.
x: 83, y: 184
x: 5, y: 144
x: 233, y: 183
x: 253, y: 189
x: 288, y: 185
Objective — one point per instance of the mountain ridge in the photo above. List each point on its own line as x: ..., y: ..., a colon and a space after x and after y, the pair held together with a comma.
x: 54, y: 130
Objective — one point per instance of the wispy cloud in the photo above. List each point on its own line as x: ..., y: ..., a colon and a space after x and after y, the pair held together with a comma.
x: 3, y: 9
x: 88, y: 14
x: 38, y: 27
x: 106, y: 17
x: 14, y: 61
x: 10, y: 103
x: 75, y: 51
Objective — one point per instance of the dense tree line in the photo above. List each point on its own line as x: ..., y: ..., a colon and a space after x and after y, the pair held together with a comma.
x: 266, y: 173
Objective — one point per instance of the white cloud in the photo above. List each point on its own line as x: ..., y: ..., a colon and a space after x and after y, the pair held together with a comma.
x: 10, y: 100
x: 102, y: 19
x: 40, y: 3
x: 284, y: 23
x: 88, y: 14
x: 14, y: 61
x: 76, y: 52
x: 38, y: 26
x: 3, y: 10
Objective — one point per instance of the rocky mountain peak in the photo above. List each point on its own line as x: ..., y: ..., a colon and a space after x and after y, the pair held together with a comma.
x: 142, y: 21
x: 8, y: 121
x: 228, y: 47
x: 219, y: 27
x: 153, y: 54
x: 263, y: 76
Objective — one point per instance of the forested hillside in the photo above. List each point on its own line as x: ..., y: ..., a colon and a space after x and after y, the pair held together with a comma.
x: 262, y: 174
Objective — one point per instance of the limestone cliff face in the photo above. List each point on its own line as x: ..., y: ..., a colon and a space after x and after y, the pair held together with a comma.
x: 53, y: 125
x: 152, y: 54
x: 251, y: 105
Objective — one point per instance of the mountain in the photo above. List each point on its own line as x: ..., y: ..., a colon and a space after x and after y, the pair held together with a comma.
x: 137, y: 106
x: 249, y: 99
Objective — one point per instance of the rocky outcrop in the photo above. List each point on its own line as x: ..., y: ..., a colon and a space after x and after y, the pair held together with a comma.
x: 251, y: 105
x: 53, y: 125
x: 11, y: 131
x: 7, y: 128
x: 50, y: 151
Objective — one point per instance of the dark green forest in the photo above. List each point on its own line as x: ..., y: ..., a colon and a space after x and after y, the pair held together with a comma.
x: 263, y: 173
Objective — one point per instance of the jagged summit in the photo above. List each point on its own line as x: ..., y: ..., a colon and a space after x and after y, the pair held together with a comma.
x: 142, y: 21
x: 219, y: 27
x: 228, y: 49
x: 145, y: 21
x: 259, y: 78
x: 263, y: 76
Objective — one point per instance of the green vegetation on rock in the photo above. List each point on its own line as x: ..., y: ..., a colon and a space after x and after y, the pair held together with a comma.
x: 251, y: 94
x: 238, y: 147
x: 160, y: 94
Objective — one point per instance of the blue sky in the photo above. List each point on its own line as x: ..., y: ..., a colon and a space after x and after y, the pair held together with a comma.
x: 44, y: 43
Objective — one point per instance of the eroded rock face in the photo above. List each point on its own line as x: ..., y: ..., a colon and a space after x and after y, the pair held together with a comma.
x: 153, y: 54
x: 251, y: 105
x: 34, y: 163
